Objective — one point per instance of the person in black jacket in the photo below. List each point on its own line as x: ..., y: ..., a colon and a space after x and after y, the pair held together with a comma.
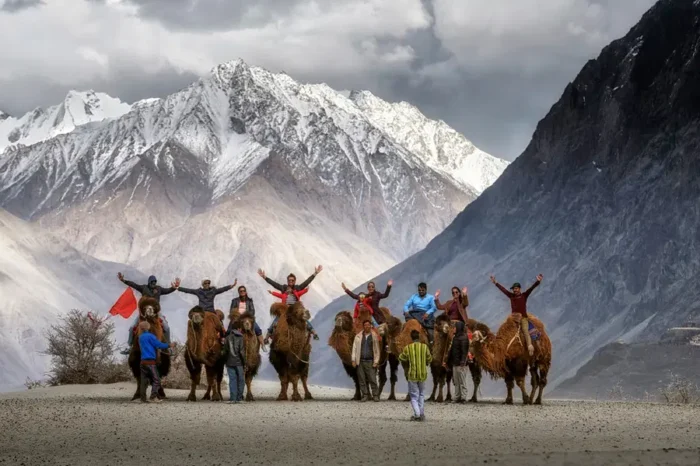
x: 207, y: 293
x: 233, y: 351
x: 242, y: 304
x: 457, y: 362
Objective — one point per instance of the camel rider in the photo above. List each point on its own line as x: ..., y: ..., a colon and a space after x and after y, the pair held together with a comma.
x: 207, y: 293
x: 421, y: 307
x: 152, y: 290
x: 244, y: 303
x: 290, y: 297
x: 455, y: 308
x: 518, y: 305
x: 374, y: 296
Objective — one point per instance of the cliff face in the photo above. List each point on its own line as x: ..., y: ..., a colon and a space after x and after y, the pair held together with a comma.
x: 603, y: 202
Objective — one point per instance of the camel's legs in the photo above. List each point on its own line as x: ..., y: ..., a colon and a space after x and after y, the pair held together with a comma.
x: 393, y: 378
x: 137, y: 394
x: 212, y: 388
x: 381, y: 374
x: 448, y: 381
x: 436, y: 377
x: 476, y: 378
x: 195, y: 370
x: 219, y: 379
x: 441, y: 385
x: 509, y: 385
x: 534, y: 381
x: 249, y: 393
x: 284, y: 382
x: 294, y: 380
x: 520, y: 381
x: 544, y: 370
x: 358, y: 392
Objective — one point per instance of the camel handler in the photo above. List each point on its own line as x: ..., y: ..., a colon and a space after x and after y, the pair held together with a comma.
x: 149, y: 373
x: 244, y: 303
x: 421, y: 306
x: 152, y: 290
x: 365, y: 358
x: 518, y: 305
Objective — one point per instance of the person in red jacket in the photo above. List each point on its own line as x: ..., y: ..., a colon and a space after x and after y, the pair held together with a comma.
x: 375, y: 296
x: 295, y: 296
x: 518, y: 305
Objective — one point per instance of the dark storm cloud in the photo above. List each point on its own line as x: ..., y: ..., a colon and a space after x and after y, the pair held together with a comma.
x: 13, y: 6
x: 25, y: 93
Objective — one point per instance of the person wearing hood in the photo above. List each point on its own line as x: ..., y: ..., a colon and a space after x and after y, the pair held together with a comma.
x: 207, y: 293
x: 457, y: 361
x: 152, y: 290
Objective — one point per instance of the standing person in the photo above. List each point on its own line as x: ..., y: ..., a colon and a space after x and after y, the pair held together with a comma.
x: 375, y: 296
x: 207, y: 293
x: 418, y: 356
x: 234, y: 352
x: 244, y: 303
x: 365, y: 358
x: 518, y: 305
x: 457, y: 362
x: 152, y: 290
x: 149, y: 373
x: 455, y: 308
x: 421, y: 306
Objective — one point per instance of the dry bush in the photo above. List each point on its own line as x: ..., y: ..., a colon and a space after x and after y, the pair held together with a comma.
x: 179, y: 376
x: 30, y: 384
x: 81, y: 350
x: 680, y: 390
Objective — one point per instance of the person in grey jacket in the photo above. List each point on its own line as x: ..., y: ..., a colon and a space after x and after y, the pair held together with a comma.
x: 244, y: 303
x: 234, y: 352
x: 207, y: 293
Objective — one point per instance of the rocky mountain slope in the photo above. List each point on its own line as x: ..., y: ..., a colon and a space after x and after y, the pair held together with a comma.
x: 603, y: 202
x: 42, y: 277
x: 246, y: 169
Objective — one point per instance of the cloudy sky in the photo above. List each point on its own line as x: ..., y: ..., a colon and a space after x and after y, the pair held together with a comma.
x: 489, y: 68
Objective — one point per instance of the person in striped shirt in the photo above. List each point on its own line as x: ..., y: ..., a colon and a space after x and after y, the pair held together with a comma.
x: 418, y: 356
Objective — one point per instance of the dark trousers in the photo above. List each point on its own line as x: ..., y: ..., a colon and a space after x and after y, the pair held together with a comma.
x: 236, y: 382
x: 367, y: 376
x: 418, y: 315
x: 149, y: 375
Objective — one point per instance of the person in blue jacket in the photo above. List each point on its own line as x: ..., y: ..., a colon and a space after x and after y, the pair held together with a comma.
x: 149, y: 343
x: 421, y: 306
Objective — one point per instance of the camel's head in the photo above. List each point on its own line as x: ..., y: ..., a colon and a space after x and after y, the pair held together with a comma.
x: 343, y: 320
x: 247, y: 325
x: 478, y: 337
x: 196, y: 315
x: 443, y: 324
x: 220, y: 315
x: 149, y: 308
x: 247, y: 322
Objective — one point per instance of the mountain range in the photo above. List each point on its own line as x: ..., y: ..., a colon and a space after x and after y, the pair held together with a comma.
x: 243, y: 169
x: 603, y: 202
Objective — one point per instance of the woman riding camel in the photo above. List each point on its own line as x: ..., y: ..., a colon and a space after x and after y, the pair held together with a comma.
x: 455, y: 308
x: 518, y: 305
x: 374, y: 297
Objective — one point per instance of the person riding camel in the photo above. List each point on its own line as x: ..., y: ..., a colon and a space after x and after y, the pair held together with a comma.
x: 206, y: 295
x: 284, y: 299
x: 152, y: 290
x: 244, y: 303
x: 421, y: 307
x: 518, y: 305
x: 455, y: 308
x: 374, y: 296
x: 290, y: 297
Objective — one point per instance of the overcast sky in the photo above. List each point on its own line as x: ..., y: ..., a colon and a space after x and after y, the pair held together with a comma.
x: 489, y: 68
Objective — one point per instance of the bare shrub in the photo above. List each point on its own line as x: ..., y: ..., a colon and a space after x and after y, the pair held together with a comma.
x: 680, y: 390
x: 30, y: 384
x: 81, y: 350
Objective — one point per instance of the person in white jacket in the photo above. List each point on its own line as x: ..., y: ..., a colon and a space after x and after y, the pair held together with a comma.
x: 365, y: 359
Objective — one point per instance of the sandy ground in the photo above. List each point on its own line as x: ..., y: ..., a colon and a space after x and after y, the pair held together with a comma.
x: 97, y: 425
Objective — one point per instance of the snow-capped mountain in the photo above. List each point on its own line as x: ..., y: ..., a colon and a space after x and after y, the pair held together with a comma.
x: 603, y: 202
x: 78, y: 108
x: 246, y: 169
x: 42, y: 277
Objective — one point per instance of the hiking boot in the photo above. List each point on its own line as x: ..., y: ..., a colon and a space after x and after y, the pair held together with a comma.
x: 155, y: 400
x: 457, y: 401
x: 316, y: 337
x: 414, y: 418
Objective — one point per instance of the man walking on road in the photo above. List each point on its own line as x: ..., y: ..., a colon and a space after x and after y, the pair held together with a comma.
x: 418, y: 356
x: 365, y: 358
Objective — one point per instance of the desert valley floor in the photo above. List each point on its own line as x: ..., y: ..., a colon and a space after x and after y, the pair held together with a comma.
x: 74, y: 425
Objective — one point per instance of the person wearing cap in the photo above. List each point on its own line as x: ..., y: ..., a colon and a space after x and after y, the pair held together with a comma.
x: 207, y: 293
x: 152, y: 290
x: 421, y: 306
x: 518, y: 305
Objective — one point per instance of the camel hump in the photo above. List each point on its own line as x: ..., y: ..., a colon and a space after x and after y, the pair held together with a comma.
x: 277, y: 309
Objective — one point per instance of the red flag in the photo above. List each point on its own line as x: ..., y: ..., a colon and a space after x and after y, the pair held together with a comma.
x: 125, y: 305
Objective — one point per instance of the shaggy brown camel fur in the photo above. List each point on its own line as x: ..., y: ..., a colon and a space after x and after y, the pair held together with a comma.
x: 252, y: 349
x: 389, y: 332
x: 291, y: 349
x: 404, y: 339
x: 203, y: 348
x: 341, y: 341
x: 505, y: 356
x: 149, y: 310
x: 363, y: 315
x: 474, y: 368
x: 444, y: 331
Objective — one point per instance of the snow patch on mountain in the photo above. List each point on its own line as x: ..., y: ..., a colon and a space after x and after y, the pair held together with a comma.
x: 77, y: 109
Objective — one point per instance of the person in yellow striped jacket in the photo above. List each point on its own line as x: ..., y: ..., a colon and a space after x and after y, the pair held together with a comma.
x: 418, y: 356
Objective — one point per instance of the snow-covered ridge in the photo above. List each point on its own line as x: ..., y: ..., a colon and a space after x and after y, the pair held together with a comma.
x: 77, y: 109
